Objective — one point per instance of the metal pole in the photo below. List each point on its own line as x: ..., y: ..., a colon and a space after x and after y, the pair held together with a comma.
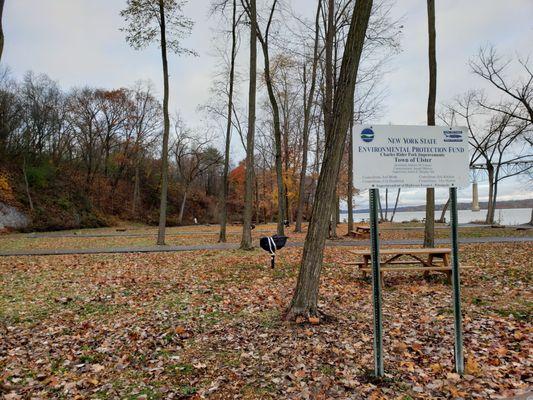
x: 459, y: 358
x: 376, y: 283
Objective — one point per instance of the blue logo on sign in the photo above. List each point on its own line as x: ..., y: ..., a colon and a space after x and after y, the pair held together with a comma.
x: 453, y: 136
x: 367, y: 135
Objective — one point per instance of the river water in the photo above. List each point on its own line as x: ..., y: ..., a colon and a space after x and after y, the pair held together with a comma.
x: 504, y: 216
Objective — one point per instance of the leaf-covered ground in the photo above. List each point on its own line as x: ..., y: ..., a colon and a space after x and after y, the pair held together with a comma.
x: 208, y: 324
x: 140, y: 236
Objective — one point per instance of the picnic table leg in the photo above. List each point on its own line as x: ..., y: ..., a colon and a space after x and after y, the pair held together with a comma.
x: 366, y: 264
x: 430, y: 261
x: 446, y: 263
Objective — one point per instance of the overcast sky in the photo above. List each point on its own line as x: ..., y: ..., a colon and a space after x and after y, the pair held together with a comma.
x: 78, y: 42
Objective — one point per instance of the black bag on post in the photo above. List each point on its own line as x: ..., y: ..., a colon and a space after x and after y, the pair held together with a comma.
x: 271, y: 244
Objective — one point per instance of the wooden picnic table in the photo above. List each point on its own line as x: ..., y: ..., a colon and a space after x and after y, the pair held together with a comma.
x: 428, y: 259
x: 361, y: 232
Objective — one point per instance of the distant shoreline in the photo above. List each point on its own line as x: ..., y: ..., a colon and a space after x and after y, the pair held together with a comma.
x: 509, y: 204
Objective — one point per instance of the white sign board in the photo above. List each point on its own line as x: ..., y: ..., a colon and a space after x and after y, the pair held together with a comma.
x: 410, y: 156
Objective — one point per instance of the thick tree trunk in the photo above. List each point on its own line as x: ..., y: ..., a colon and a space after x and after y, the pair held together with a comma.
x: 225, y: 184
x: 304, y: 301
x: 166, y: 131
x: 429, y: 229
x: 1, y: 28
x: 246, y: 241
x: 494, y: 197
x: 350, y: 177
x: 307, y: 122
x: 531, y: 220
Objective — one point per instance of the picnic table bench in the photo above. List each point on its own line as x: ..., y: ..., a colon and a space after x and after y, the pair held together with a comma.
x: 428, y: 259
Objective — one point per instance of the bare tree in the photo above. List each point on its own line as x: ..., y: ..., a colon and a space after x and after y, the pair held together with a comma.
x: 307, y: 118
x: 193, y: 159
x: 519, y: 92
x: 263, y: 38
x: 113, y: 106
x: 224, y: 206
x: 246, y: 241
x: 84, y: 118
x: 304, y: 301
x: 144, y: 124
x: 429, y: 228
x: 495, y: 139
x: 147, y: 21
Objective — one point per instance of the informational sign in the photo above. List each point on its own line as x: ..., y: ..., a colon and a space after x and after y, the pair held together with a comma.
x: 410, y: 156
x: 400, y: 156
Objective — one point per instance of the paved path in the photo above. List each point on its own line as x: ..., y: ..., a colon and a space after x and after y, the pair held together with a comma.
x: 234, y: 246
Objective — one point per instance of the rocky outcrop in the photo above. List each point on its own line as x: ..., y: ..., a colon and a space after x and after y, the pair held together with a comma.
x: 12, y: 218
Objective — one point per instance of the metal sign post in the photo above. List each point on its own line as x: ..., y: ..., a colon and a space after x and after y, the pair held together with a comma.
x: 376, y: 283
x: 459, y: 358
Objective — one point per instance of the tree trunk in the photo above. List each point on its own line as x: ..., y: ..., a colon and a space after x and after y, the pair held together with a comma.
x: 246, y: 241
x: 26, y: 184
x: 304, y: 301
x: 277, y: 136
x: 386, y: 204
x: 333, y: 221
x: 136, y: 190
x: 307, y: 122
x: 256, y: 193
x: 225, y: 183
x: 429, y: 229
x: 395, y: 205
x: 338, y: 211
x: 1, y: 29
x: 489, y: 219
x: 166, y: 131
x: 531, y: 220
x: 350, y: 177
x: 381, y: 216
x: 328, y: 95
x: 494, y: 197
x: 182, y: 207
x: 442, y: 218
x: 288, y: 216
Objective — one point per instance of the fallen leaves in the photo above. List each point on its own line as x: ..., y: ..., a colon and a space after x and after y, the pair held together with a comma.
x: 209, y: 324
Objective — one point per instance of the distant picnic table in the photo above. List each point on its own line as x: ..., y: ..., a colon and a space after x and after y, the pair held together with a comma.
x: 360, y: 231
x: 427, y: 259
